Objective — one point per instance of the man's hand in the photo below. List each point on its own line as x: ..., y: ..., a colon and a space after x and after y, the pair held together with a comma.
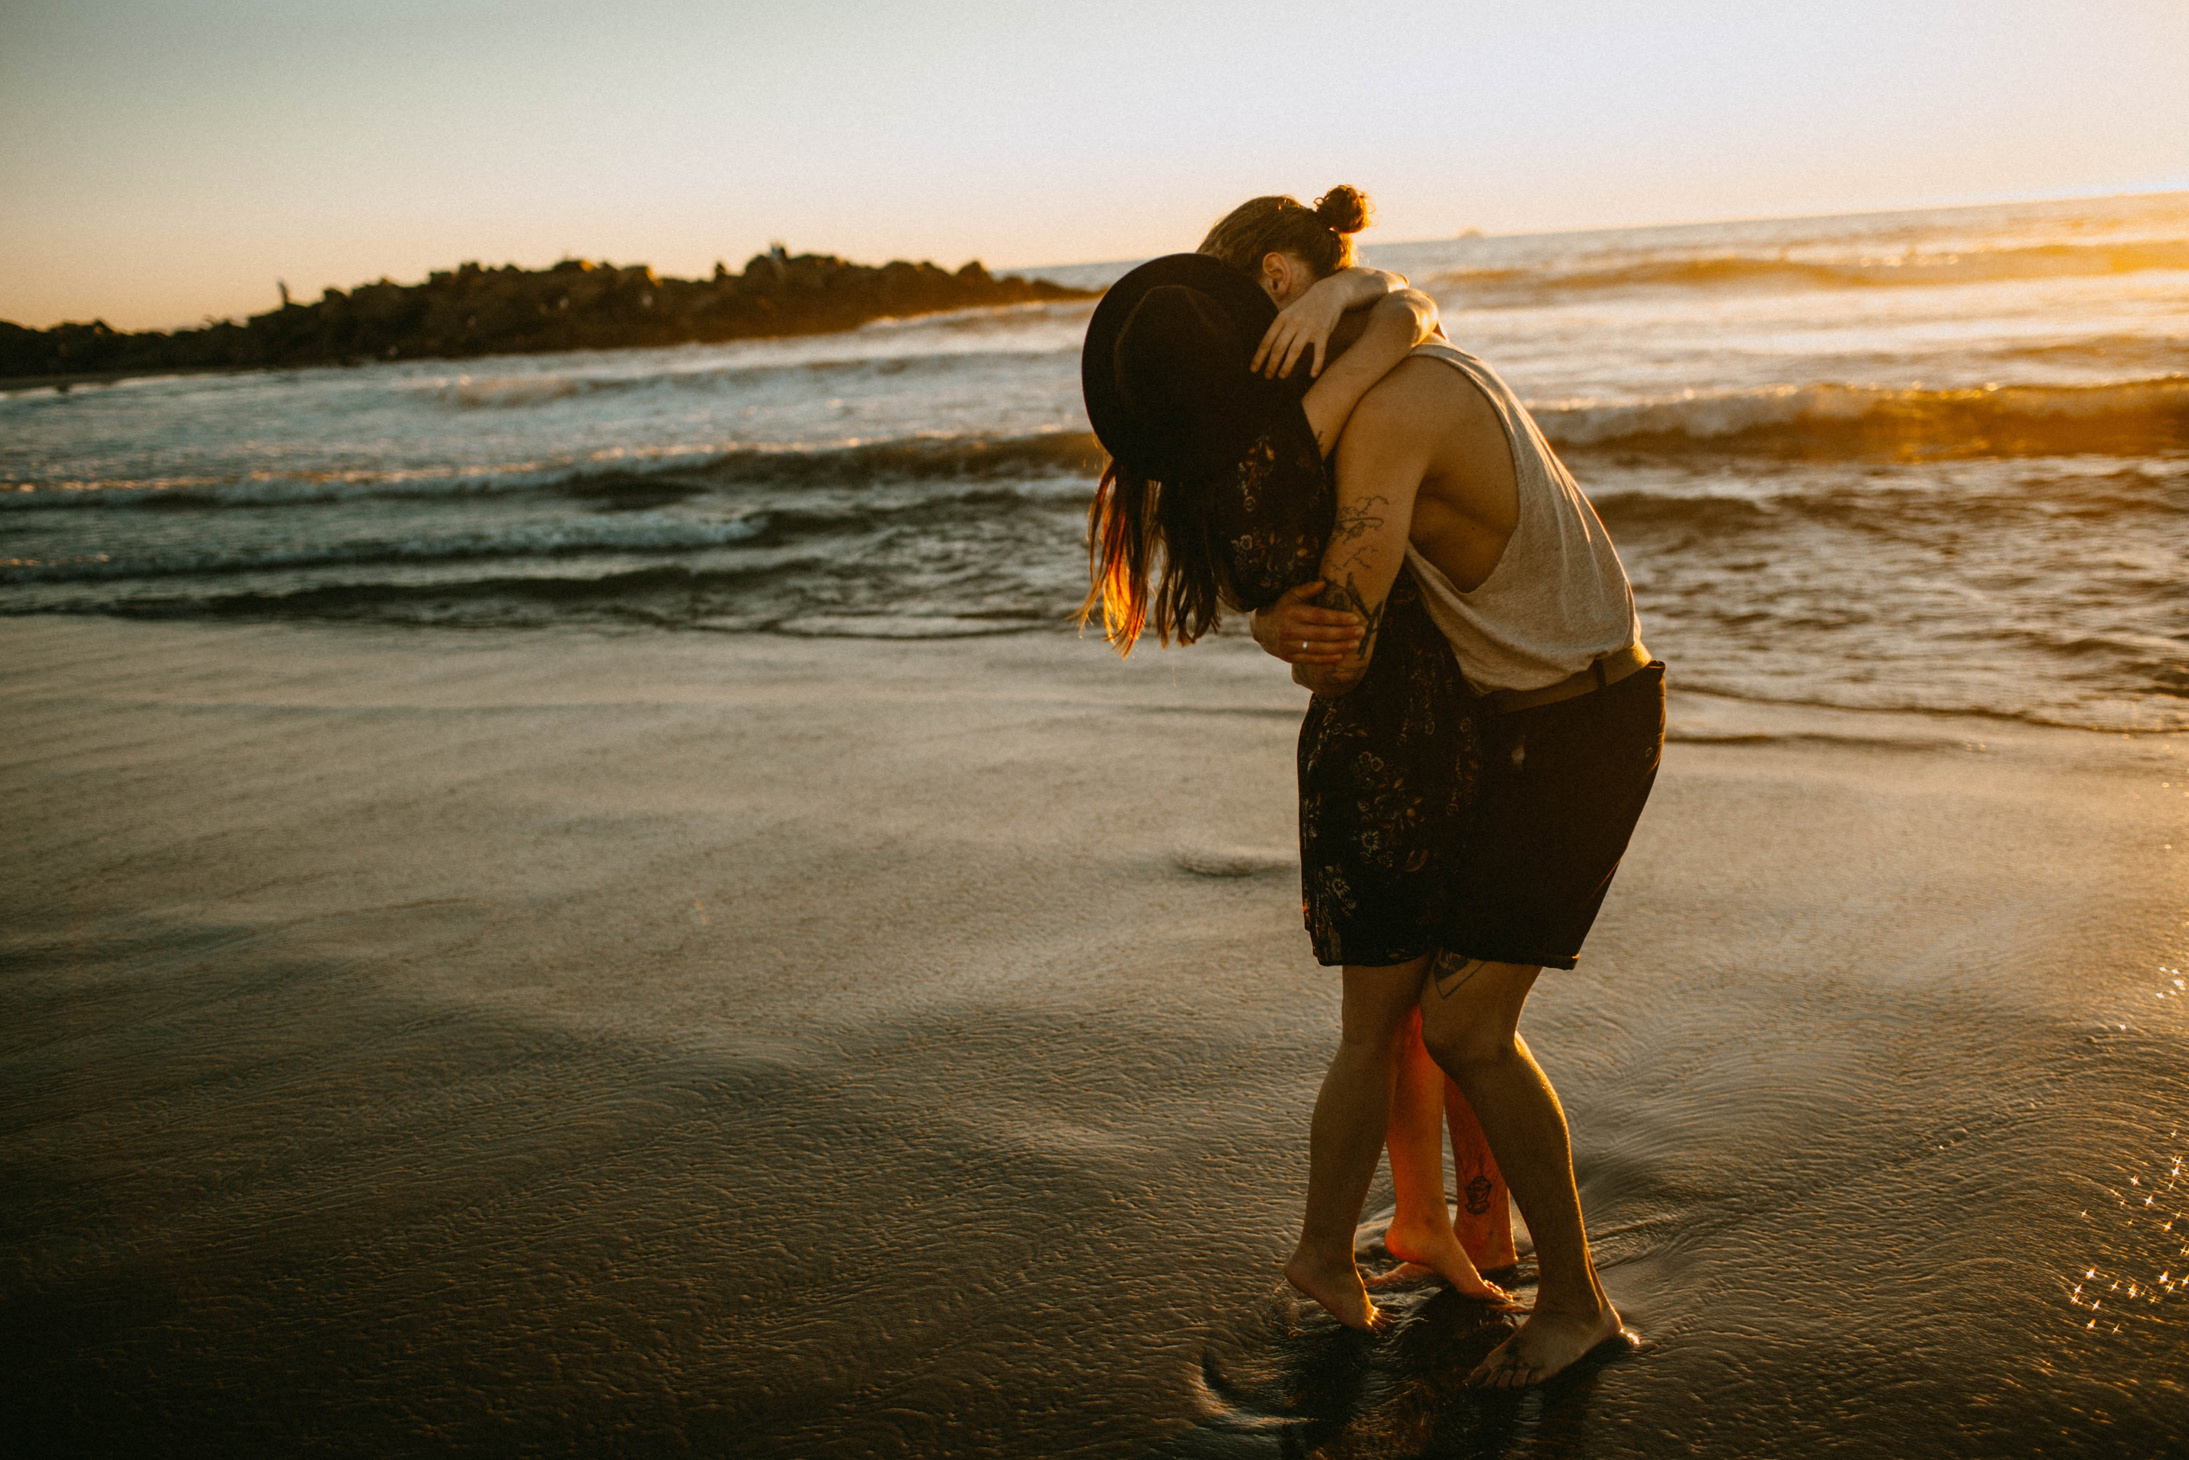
x: 1295, y: 630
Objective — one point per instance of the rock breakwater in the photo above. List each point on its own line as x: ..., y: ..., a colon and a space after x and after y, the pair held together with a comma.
x: 575, y: 305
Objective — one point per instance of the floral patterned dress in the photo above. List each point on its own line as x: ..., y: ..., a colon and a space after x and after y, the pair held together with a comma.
x: 1387, y: 772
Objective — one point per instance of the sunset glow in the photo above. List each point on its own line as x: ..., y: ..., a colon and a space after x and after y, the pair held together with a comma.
x: 166, y: 163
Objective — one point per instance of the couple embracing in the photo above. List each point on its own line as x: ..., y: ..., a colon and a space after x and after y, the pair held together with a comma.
x: 1290, y: 435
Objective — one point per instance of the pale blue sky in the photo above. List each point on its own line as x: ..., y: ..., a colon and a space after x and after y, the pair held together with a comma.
x: 166, y: 161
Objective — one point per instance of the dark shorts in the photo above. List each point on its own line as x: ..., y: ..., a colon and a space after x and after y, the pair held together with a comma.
x: 1562, y: 787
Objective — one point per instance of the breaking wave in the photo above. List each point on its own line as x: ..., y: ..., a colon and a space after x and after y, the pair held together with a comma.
x: 651, y: 534
x: 1975, y: 266
x: 914, y: 458
x: 2133, y: 418
x: 540, y: 388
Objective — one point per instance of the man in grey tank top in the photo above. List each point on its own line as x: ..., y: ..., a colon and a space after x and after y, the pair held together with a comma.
x: 1442, y: 474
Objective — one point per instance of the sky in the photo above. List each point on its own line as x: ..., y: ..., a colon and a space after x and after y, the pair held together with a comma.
x: 166, y: 161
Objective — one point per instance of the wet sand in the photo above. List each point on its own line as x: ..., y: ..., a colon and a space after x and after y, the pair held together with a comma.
x: 560, y: 1042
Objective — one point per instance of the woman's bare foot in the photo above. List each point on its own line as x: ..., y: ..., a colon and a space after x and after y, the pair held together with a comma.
x: 1550, y: 1340
x: 1408, y: 1275
x: 1435, y: 1247
x: 1339, y: 1290
x: 1398, y: 1279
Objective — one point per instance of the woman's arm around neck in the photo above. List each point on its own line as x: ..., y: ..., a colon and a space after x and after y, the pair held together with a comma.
x: 1396, y: 324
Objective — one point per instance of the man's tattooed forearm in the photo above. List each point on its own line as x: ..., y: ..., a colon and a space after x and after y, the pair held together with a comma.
x: 1357, y: 520
x: 1347, y: 596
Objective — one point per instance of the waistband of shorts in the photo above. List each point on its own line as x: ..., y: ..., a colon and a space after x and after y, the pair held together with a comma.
x: 1601, y: 674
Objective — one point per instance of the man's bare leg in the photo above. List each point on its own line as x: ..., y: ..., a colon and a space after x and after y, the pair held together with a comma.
x: 1422, y: 1234
x: 1346, y: 1138
x: 1470, y: 1020
x: 1484, y: 1220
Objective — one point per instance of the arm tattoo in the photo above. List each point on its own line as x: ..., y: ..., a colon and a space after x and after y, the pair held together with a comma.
x: 1357, y: 520
x: 1451, y: 973
x: 1348, y: 596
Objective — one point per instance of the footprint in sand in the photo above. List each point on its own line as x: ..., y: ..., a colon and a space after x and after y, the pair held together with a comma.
x: 1204, y: 859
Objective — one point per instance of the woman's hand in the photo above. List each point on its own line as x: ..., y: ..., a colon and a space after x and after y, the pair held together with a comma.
x: 1303, y: 327
x: 1296, y: 631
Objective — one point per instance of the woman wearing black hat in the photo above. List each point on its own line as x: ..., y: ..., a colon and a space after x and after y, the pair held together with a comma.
x: 1222, y: 468
x: 1302, y: 257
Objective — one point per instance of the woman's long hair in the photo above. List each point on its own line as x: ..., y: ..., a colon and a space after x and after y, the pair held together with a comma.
x: 1138, y: 527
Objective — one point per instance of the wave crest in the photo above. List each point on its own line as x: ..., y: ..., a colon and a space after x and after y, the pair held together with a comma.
x: 670, y: 478
x: 2129, y: 418
x: 1974, y: 266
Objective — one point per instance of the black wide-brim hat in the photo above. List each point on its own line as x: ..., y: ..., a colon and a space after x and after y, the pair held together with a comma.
x: 1165, y: 369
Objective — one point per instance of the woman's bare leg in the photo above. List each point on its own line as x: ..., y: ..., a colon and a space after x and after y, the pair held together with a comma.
x: 1484, y: 1220
x: 1346, y: 1138
x: 1423, y: 1233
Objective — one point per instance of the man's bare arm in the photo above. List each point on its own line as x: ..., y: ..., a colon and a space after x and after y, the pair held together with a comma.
x: 1381, y: 460
x: 1289, y: 629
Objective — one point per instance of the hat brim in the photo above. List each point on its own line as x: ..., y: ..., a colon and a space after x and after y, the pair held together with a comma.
x: 1136, y: 442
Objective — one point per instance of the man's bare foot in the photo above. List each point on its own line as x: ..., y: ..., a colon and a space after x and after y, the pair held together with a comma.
x: 1549, y: 1341
x: 1435, y: 1248
x: 1339, y: 1290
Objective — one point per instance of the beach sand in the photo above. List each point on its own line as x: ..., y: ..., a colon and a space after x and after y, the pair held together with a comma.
x: 646, y: 1044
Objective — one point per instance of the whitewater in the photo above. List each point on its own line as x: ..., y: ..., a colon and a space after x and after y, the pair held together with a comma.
x: 1929, y: 460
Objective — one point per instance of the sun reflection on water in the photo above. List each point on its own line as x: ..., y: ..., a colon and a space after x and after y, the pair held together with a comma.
x: 2153, y: 1192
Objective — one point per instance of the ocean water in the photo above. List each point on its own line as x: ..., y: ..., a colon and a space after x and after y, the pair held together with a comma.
x: 1921, y: 460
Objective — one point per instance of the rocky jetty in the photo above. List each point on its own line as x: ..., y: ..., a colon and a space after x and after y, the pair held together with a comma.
x: 576, y: 305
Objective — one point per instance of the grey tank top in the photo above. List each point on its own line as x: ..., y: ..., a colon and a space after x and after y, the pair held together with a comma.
x: 1558, y: 598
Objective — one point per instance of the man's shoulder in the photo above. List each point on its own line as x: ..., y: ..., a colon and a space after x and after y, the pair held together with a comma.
x: 1428, y: 396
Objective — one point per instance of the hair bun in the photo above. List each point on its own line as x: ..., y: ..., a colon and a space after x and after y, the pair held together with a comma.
x: 1343, y: 209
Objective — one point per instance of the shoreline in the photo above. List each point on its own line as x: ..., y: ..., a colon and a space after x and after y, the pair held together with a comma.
x: 65, y: 383
x: 558, y: 1039
x: 1712, y: 716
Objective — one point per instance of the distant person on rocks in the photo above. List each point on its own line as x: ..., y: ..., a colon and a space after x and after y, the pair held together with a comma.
x: 1452, y: 542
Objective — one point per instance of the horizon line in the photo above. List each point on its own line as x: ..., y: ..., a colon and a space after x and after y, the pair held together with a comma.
x: 2181, y: 188
x: 1030, y: 269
